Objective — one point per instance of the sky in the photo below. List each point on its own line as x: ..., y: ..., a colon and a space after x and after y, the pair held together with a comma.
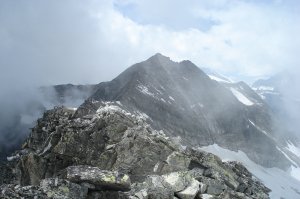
x: 90, y: 41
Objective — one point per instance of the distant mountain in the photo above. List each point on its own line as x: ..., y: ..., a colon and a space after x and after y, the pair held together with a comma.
x: 182, y: 100
x: 281, y: 94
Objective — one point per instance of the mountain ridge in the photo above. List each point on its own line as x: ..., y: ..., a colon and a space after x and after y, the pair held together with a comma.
x: 182, y: 100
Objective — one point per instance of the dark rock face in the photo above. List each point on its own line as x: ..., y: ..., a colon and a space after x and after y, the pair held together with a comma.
x: 183, y: 101
x: 115, y: 154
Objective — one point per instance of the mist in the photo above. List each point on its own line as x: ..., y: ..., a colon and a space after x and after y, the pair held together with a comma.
x: 290, y: 89
x: 20, y: 110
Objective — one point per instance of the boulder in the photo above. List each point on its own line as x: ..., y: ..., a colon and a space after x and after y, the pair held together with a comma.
x: 111, y: 180
x: 189, y: 192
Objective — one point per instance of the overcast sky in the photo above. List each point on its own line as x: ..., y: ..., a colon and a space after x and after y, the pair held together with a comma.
x: 62, y: 41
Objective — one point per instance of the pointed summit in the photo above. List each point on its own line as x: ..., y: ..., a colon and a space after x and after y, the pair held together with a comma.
x: 159, y: 57
x: 181, y: 99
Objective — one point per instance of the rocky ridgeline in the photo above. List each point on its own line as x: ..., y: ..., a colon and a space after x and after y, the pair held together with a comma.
x: 114, y: 154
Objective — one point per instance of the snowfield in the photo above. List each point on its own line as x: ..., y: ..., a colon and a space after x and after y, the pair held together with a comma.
x: 282, y: 183
x: 242, y: 98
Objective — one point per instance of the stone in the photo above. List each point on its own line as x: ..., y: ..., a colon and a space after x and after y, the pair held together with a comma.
x: 203, y: 187
x: 101, y: 179
x: 61, y: 189
x: 206, y: 196
x: 189, y: 192
x: 214, y: 189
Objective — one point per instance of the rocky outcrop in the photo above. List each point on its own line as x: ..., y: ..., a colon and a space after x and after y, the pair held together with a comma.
x: 114, y: 154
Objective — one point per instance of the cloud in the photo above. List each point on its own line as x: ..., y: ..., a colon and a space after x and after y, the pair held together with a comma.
x: 54, y: 42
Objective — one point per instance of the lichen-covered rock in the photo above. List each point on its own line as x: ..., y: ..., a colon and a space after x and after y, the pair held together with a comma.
x: 101, y: 179
x: 61, y: 189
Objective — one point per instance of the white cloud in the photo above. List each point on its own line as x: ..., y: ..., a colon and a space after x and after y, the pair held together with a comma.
x: 93, y: 41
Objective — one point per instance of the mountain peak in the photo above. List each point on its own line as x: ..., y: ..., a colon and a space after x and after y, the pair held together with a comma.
x: 159, y: 57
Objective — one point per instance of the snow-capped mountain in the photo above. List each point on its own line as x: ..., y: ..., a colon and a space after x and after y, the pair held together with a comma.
x: 182, y: 100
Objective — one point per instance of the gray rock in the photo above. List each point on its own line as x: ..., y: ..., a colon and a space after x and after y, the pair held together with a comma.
x: 203, y: 188
x: 9, y: 191
x: 190, y: 191
x: 101, y: 179
x: 107, y: 195
x: 214, y: 189
x: 62, y: 189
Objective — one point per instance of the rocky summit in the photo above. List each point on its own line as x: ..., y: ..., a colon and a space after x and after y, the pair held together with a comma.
x: 115, y: 154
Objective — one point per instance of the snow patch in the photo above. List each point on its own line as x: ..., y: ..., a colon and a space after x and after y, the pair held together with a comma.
x: 242, y: 98
x: 145, y: 90
x: 142, y: 115
x: 171, y: 98
x: 295, y: 172
x: 265, y: 88
x: 218, y: 79
x: 162, y: 99
x: 109, y: 108
x: 264, y: 132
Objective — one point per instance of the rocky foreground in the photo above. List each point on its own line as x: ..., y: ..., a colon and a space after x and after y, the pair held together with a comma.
x: 113, y: 154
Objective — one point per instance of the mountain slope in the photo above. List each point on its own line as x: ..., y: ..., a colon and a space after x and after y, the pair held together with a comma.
x: 183, y: 101
x: 113, y: 154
